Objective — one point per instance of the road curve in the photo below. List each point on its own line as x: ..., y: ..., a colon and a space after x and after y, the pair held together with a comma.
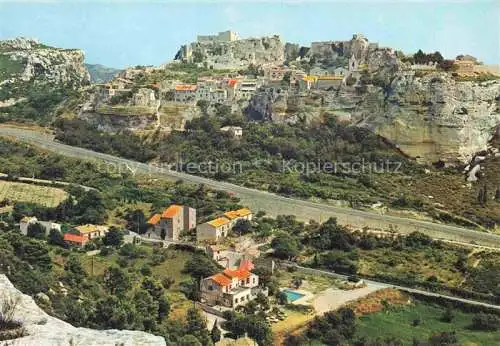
x: 261, y: 200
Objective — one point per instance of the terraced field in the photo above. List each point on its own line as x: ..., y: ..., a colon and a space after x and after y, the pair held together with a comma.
x: 42, y: 195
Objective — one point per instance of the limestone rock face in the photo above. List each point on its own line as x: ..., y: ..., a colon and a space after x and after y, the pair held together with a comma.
x: 234, y: 54
x: 44, y: 330
x: 433, y: 117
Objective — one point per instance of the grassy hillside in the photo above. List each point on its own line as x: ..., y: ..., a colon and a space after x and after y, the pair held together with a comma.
x: 398, y: 322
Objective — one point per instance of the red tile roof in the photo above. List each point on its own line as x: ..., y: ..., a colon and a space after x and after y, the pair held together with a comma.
x: 154, y: 219
x: 246, y: 264
x: 221, y: 279
x: 186, y: 87
x: 237, y: 273
x: 171, y: 211
x: 75, y: 238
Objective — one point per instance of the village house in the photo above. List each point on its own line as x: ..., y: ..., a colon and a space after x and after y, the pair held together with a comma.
x: 327, y: 82
x: 231, y: 87
x: 247, y: 88
x: 240, y: 214
x: 47, y: 225
x: 230, y: 288
x: 85, y: 233
x: 219, y: 228
x: 307, y: 83
x: 234, y: 131
x: 169, y: 224
x: 75, y: 240
x: 92, y: 231
x: 185, y: 93
x: 213, y: 230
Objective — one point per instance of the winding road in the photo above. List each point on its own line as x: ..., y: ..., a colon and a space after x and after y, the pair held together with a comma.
x: 261, y: 200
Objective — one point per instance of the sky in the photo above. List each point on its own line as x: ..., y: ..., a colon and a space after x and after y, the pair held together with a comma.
x: 121, y: 33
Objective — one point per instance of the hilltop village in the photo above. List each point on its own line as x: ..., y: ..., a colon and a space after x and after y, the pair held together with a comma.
x: 266, y: 79
x: 91, y: 254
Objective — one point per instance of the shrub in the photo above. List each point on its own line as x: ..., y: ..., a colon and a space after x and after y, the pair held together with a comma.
x: 7, y: 310
x: 487, y: 322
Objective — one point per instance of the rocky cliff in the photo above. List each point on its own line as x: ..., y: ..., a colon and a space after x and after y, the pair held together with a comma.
x: 28, y: 60
x: 45, y: 330
x: 430, y: 116
x: 30, y: 74
x: 433, y: 118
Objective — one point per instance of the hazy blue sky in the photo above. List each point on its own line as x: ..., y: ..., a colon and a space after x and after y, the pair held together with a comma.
x: 121, y: 33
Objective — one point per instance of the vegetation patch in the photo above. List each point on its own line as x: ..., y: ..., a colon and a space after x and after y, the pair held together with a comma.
x: 30, y: 193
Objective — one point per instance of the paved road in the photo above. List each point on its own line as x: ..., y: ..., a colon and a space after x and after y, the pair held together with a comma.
x: 261, y: 200
x: 401, y: 288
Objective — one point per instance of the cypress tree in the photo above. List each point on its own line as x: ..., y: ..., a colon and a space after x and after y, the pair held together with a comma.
x: 216, y: 333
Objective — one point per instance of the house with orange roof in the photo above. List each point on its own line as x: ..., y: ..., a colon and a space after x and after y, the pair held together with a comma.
x: 231, y: 288
x: 219, y: 228
x: 75, y: 239
x: 185, y: 93
x: 171, y: 222
x: 214, y: 230
x: 240, y: 214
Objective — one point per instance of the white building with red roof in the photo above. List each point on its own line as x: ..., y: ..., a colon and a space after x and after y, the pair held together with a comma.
x: 230, y: 288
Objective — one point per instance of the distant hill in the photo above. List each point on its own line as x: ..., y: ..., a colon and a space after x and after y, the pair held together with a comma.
x: 100, y: 73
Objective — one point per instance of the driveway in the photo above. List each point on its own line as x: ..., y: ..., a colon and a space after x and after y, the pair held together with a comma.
x: 334, y: 298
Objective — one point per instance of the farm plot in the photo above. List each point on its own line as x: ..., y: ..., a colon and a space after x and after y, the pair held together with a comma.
x: 42, y: 195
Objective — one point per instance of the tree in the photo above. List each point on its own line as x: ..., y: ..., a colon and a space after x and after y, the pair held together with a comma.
x: 285, y: 246
x: 189, y: 340
x: 215, y: 334
x: 146, y: 309
x: 153, y: 287
x: 113, y: 238
x: 497, y: 194
x: 163, y: 308
x: 74, y: 269
x: 196, y: 325
x: 488, y: 322
x: 136, y: 221
x: 282, y: 298
x: 297, y: 282
x: 201, y: 266
x: 56, y: 238
x: 443, y: 339
x: 242, y: 227
x: 448, y: 315
x: 36, y: 230
x: 116, y: 281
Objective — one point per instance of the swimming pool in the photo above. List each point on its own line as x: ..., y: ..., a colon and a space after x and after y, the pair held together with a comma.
x: 292, y: 295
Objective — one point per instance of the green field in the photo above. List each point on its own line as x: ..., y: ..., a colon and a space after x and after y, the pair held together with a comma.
x: 42, y: 195
x: 398, y: 322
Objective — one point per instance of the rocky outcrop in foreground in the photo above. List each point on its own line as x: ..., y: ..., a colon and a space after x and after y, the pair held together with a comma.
x: 45, y: 330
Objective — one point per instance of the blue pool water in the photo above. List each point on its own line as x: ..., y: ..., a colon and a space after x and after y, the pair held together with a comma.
x: 292, y: 295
